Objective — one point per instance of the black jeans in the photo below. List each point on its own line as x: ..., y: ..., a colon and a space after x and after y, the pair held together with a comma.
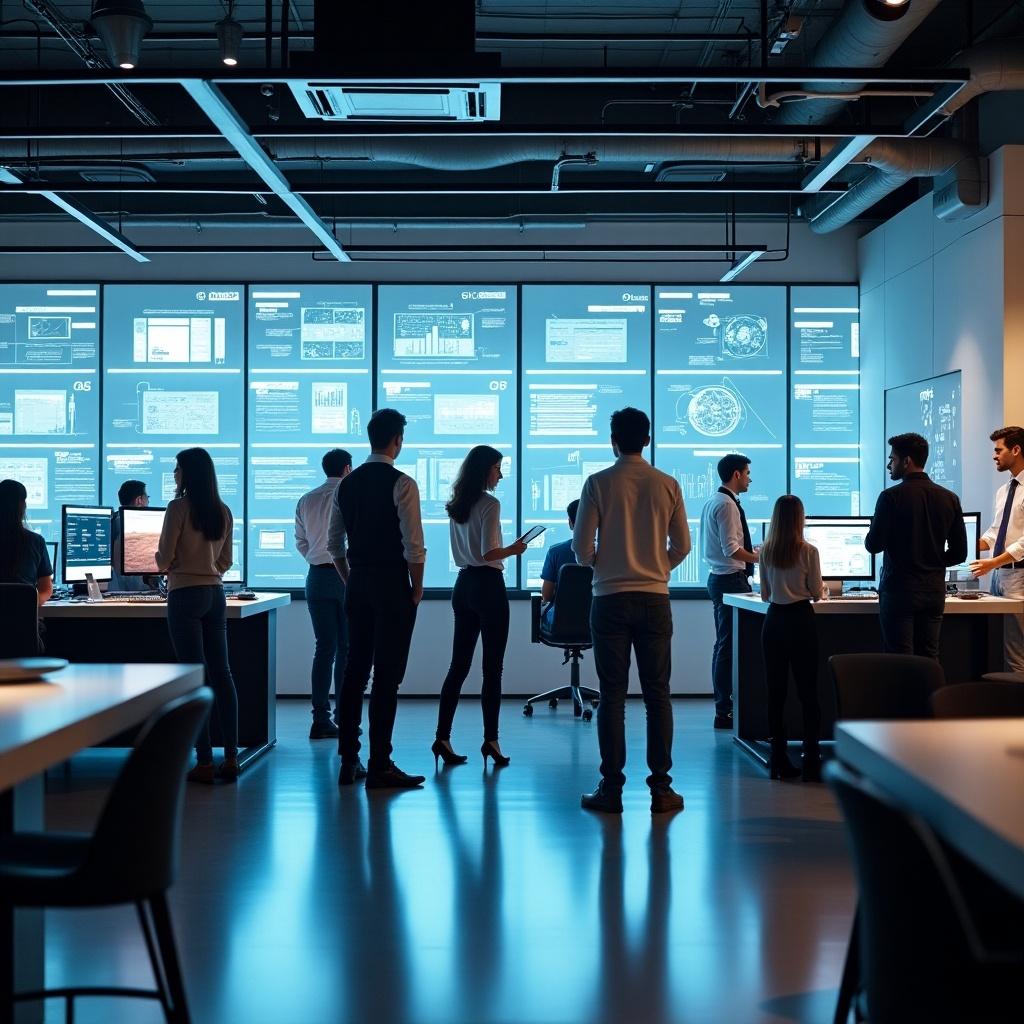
x: 721, y: 656
x: 198, y: 626
x: 643, y: 622
x: 789, y: 641
x: 325, y: 602
x: 381, y: 617
x: 481, y: 610
x: 911, y: 622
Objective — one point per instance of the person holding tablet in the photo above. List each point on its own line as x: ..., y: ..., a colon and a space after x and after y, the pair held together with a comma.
x: 479, y: 600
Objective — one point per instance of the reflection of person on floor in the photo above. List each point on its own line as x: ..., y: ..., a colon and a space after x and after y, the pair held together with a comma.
x: 131, y: 494
x: 557, y: 556
x: 1005, y: 539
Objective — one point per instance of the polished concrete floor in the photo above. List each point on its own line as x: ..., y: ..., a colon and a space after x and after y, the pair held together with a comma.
x: 487, y: 897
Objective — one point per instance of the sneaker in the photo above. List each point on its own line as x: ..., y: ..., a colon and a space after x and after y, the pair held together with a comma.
x: 393, y: 777
x: 665, y: 800
x: 723, y: 721
x: 351, y: 773
x: 203, y: 773
x: 323, y: 731
x: 602, y: 799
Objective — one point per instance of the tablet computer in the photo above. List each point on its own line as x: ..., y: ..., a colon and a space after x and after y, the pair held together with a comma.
x: 532, y: 534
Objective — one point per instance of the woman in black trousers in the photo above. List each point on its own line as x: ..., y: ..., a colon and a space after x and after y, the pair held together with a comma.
x: 478, y: 600
x: 790, y: 581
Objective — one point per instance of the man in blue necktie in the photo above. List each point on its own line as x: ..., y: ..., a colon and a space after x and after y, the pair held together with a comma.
x: 1005, y: 539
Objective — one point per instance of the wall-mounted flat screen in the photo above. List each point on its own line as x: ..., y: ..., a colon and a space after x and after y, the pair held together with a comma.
x: 85, y: 543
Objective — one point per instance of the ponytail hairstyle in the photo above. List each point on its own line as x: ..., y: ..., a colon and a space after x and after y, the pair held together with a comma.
x: 198, y: 483
x: 13, y: 534
x: 785, y: 533
x: 471, y: 482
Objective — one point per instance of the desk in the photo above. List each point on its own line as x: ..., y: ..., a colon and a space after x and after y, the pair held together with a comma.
x: 964, y: 778
x: 43, y: 724
x: 972, y: 644
x: 136, y: 631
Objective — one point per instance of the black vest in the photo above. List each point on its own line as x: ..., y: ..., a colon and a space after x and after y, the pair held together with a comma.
x: 366, y: 498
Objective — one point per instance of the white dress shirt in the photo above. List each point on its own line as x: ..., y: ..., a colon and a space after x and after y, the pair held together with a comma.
x: 407, y: 501
x: 722, y: 534
x: 312, y: 521
x: 1015, y: 526
x: 480, y: 533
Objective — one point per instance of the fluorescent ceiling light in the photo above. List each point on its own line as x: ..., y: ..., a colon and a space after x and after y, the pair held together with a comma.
x: 737, y: 268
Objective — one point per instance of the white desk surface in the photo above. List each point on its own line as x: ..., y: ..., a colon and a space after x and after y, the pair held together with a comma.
x: 965, y: 778
x: 45, y: 723
x: 114, y: 608
x: 987, y: 605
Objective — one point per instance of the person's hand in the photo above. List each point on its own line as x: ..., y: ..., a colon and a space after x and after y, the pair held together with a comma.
x: 417, y: 595
x: 517, y: 547
x: 982, y: 566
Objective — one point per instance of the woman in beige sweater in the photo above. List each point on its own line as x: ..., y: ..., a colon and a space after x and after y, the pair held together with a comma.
x: 195, y: 552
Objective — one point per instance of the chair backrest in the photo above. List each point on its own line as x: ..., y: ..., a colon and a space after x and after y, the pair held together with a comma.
x: 134, y: 850
x: 884, y: 685
x: 979, y: 700
x: 915, y: 954
x: 570, y: 622
x: 19, y: 613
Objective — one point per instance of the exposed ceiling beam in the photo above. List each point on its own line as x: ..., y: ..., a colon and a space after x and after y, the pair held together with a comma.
x: 841, y: 155
x: 932, y: 107
x: 740, y: 265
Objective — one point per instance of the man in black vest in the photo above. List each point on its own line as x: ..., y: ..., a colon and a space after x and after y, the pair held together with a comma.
x: 376, y: 541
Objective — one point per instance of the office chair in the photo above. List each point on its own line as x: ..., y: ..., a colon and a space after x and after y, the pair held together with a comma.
x: 920, y: 949
x: 19, y: 612
x: 980, y: 700
x: 569, y: 630
x: 884, y: 686
x: 132, y: 857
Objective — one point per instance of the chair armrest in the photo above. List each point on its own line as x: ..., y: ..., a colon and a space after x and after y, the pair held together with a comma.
x: 535, y: 618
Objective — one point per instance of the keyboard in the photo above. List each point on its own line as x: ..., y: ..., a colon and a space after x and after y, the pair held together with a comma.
x: 133, y: 597
x: 868, y: 595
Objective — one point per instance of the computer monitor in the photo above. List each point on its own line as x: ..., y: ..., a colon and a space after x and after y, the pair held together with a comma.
x: 840, y: 544
x: 53, y: 546
x: 972, y: 523
x: 140, y: 535
x: 86, y: 543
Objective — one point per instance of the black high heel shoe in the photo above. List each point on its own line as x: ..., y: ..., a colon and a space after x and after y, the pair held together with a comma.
x: 780, y: 766
x: 490, y: 749
x: 443, y: 749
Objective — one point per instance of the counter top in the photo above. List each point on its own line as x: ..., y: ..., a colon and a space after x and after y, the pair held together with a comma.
x: 119, y: 608
x: 987, y: 605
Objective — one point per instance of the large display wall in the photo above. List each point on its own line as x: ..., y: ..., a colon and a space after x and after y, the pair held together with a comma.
x: 269, y: 376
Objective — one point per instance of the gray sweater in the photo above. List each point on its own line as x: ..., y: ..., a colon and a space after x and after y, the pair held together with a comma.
x: 800, y: 582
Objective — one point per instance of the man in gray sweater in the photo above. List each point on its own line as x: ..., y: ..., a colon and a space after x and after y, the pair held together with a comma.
x: 638, y: 518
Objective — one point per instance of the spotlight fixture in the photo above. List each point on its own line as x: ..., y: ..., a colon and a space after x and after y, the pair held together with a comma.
x: 887, y: 10
x: 229, y: 38
x: 122, y: 25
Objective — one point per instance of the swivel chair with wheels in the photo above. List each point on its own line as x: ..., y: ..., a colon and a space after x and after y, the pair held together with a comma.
x: 884, y: 686
x: 567, y: 628
x: 132, y: 857
x: 19, y: 612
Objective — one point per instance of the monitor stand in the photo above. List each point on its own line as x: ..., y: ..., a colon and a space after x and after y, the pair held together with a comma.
x: 92, y: 590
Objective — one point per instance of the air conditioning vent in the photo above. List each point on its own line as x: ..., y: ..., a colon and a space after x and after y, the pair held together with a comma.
x: 325, y: 101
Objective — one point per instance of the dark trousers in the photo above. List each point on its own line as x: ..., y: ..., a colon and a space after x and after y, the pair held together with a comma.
x: 643, y: 623
x: 481, y: 611
x: 325, y: 602
x: 911, y: 622
x: 789, y: 642
x: 381, y: 617
x: 721, y: 656
x: 198, y: 626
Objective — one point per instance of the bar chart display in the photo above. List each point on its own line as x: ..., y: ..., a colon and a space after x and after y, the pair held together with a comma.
x: 447, y: 357
x: 825, y: 399
x: 173, y: 359
x: 49, y: 397
x: 309, y: 390
x: 720, y: 387
x: 586, y: 353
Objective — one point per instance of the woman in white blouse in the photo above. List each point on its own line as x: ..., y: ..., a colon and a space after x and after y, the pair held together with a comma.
x: 478, y: 599
x: 790, y: 581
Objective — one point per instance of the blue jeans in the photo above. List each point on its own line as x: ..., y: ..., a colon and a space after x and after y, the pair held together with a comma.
x: 199, y: 635
x: 325, y: 602
x: 721, y: 657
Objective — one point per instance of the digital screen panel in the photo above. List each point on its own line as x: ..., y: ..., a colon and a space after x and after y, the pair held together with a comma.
x: 173, y: 359
x: 446, y: 357
x: 586, y: 353
x: 825, y: 398
x: 720, y: 386
x: 140, y: 537
x: 840, y: 544
x: 309, y: 390
x: 49, y: 397
x: 86, y: 536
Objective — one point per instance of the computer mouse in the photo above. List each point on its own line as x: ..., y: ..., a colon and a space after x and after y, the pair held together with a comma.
x: 245, y: 595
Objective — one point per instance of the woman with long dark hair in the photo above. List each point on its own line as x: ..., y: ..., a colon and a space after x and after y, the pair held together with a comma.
x: 478, y: 599
x: 790, y: 581
x: 195, y: 552
x: 23, y: 554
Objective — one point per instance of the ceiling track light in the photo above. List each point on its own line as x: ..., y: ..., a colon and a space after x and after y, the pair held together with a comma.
x: 122, y: 25
x: 229, y: 38
x: 887, y: 10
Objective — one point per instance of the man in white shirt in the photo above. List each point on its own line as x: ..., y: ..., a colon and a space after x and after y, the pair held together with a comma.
x: 1005, y: 539
x: 325, y: 592
x: 638, y: 517
x: 731, y: 556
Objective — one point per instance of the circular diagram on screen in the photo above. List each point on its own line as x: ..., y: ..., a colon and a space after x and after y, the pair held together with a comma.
x: 745, y: 336
x: 714, y: 411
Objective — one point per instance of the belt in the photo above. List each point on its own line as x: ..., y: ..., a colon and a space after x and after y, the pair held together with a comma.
x: 323, y: 565
x: 1012, y: 565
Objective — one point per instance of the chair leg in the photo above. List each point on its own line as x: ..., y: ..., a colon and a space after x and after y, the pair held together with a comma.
x: 169, y: 957
x: 154, y: 957
x: 850, y: 982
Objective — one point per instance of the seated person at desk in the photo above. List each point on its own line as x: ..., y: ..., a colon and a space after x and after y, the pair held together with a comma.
x: 557, y: 556
x: 23, y: 554
x: 131, y: 494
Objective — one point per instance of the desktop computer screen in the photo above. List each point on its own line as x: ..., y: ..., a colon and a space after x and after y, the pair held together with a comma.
x: 86, y: 543
x: 140, y: 535
x: 840, y: 544
x: 962, y: 572
x: 52, y: 546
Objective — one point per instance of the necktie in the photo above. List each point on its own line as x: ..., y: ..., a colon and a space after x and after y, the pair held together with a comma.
x: 1000, y: 545
x: 748, y: 568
